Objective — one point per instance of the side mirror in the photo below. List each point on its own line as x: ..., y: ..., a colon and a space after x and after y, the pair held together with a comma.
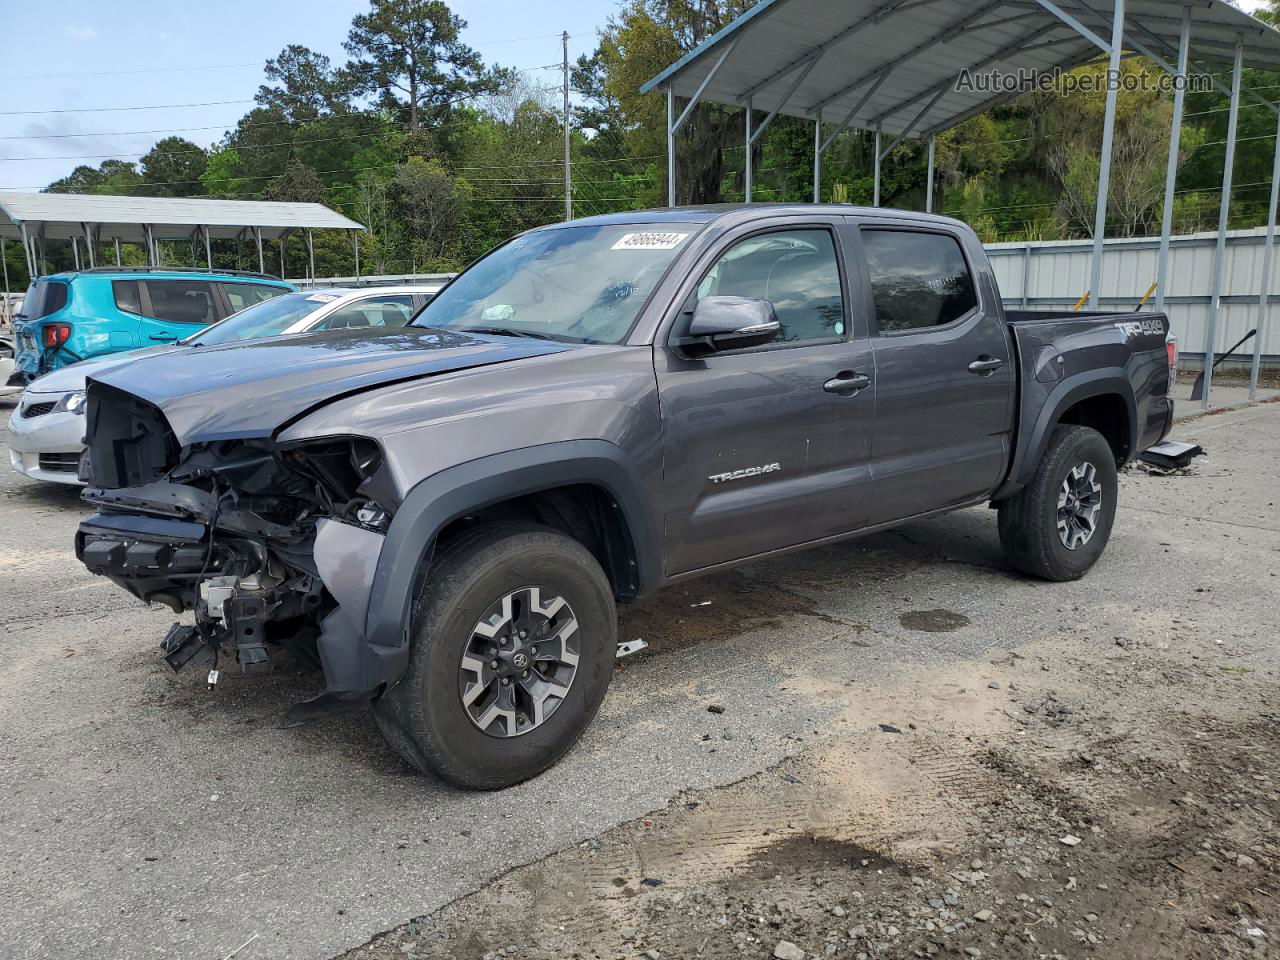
x: 729, y: 323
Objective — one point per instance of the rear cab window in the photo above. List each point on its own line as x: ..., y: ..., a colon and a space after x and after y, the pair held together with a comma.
x: 919, y: 279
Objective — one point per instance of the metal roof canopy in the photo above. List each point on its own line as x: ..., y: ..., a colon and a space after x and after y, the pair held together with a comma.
x: 33, y: 218
x: 62, y: 216
x: 893, y: 66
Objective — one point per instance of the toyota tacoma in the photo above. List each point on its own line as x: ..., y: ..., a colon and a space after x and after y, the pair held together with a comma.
x: 445, y: 515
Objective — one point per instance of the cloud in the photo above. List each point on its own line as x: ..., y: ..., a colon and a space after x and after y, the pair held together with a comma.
x: 82, y: 31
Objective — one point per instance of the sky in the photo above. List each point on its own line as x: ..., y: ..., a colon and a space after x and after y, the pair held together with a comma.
x: 77, y: 54
x: 196, y: 72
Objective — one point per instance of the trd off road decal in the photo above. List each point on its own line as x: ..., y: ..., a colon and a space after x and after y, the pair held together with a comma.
x: 1138, y: 328
x: 744, y: 473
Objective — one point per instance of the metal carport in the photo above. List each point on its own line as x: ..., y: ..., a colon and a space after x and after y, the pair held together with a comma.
x: 895, y: 68
x: 34, y: 218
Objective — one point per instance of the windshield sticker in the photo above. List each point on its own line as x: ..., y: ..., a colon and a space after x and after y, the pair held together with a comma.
x: 322, y: 298
x: 649, y: 241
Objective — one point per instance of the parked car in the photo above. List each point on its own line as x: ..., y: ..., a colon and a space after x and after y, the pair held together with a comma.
x: 47, y: 427
x: 6, y: 366
x: 594, y: 410
x: 68, y: 317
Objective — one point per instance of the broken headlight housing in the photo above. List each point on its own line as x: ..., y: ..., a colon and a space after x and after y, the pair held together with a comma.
x: 350, y: 473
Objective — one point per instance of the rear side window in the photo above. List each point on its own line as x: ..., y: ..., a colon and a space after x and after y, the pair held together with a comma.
x: 795, y: 270
x: 241, y: 295
x: 919, y: 280
x: 43, y: 298
x: 128, y: 297
x: 182, y: 301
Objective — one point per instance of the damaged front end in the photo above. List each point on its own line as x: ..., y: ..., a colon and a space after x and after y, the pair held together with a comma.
x: 269, y: 544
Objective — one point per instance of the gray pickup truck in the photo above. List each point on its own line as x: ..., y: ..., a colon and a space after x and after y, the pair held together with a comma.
x: 445, y: 515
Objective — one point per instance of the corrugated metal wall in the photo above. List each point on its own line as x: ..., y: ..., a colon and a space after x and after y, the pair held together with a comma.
x: 1054, y: 274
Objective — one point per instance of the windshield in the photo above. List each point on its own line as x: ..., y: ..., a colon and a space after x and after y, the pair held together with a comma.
x: 577, y: 284
x: 266, y: 319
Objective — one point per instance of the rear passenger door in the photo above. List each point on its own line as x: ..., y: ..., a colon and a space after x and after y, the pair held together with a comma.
x: 237, y: 296
x: 944, y: 372
x: 173, y: 309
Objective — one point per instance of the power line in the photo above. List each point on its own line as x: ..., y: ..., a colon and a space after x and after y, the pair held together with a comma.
x: 152, y: 106
x: 122, y: 73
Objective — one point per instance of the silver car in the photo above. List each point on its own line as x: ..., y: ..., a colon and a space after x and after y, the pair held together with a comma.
x: 47, y: 426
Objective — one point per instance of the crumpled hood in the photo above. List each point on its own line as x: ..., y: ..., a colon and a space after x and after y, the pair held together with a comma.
x: 72, y: 378
x: 249, y: 390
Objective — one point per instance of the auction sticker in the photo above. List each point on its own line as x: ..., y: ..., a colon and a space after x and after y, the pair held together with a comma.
x: 322, y: 298
x: 649, y: 241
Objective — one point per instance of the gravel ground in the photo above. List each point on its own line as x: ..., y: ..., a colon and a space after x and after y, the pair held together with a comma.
x: 910, y: 739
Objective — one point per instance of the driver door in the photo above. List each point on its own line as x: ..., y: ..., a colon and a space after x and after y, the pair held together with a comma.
x: 760, y: 452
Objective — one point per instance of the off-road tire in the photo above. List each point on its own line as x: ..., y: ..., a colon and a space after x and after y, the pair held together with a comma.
x: 1029, y: 520
x: 423, y: 717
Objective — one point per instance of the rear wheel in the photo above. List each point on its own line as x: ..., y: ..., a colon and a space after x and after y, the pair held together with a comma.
x: 1058, y: 525
x: 515, y: 636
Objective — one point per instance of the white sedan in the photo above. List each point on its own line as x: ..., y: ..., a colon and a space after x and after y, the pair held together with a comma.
x: 47, y: 427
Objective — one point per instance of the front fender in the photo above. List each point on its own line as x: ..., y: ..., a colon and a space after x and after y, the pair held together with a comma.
x: 457, y: 491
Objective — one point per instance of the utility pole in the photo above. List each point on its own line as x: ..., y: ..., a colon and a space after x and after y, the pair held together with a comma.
x: 568, y: 170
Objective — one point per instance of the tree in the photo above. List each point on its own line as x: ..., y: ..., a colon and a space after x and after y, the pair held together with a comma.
x: 173, y: 168
x: 112, y: 176
x: 428, y: 199
x: 298, y: 184
x: 303, y: 85
x: 413, y: 47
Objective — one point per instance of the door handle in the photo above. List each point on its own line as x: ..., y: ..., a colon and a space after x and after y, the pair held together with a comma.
x: 163, y: 336
x: 847, y: 382
x: 985, y: 365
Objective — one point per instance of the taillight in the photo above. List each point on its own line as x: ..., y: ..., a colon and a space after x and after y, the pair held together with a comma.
x: 56, y: 334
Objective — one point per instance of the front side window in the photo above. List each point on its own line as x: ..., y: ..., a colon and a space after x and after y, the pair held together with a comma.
x: 241, y: 295
x: 182, y: 301
x: 919, y: 280
x: 578, y: 284
x: 388, y: 311
x: 795, y: 270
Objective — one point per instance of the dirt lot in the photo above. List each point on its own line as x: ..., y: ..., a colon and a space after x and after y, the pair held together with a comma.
x: 1111, y: 789
x: 888, y: 748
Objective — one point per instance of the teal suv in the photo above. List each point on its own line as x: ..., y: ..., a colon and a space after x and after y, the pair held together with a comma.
x: 67, y: 317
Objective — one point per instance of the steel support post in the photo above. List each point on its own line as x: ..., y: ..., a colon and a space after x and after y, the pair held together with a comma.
x: 1268, y: 251
x: 1171, y: 174
x: 671, y: 147
x: 1026, y: 275
x: 75, y: 251
x: 117, y: 246
x: 1108, y: 137
x: 26, y: 249
x: 311, y: 258
x: 1224, y: 212
x: 5, y: 264
x: 262, y: 261
x: 89, y: 244
x: 875, y: 202
x: 817, y: 157
x: 355, y: 245
x: 746, y: 180
x: 928, y: 190
x: 208, y: 248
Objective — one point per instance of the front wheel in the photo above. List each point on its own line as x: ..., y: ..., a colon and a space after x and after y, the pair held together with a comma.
x: 515, y: 636
x: 1058, y: 525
